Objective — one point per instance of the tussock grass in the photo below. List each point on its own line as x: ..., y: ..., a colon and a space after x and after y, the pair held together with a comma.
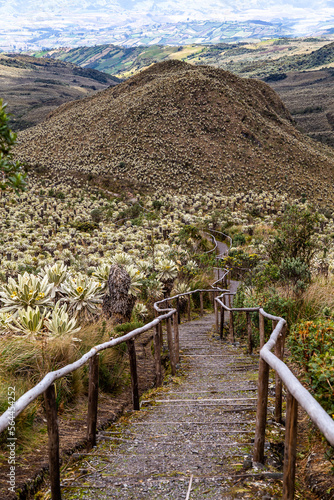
x: 318, y: 299
x: 25, y: 361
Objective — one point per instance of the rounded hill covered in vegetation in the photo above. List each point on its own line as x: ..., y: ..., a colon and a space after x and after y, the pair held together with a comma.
x: 181, y: 127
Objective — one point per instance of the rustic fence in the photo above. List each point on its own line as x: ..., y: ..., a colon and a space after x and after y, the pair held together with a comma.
x: 295, y: 392
x: 46, y: 386
x: 168, y: 310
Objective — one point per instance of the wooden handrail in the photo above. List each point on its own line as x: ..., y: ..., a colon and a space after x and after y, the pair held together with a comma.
x: 51, y: 377
x: 46, y: 385
x: 315, y: 411
x: 214, y: 241
x: 317, y: 414
x: 296, y: 392
x: 225, y: 236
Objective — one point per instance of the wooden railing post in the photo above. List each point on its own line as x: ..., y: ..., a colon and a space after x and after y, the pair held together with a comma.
x: 176, y: 338
x: 133, y: 370
x: 222, y: 319
x: 249, y: 332
x: 231, y: 327
x: 290, y: 446
x: 261, y: 412
x: 53, y: 441
x: 178, y: 310
x: 93, y: 394
x: 157, y: 357
x: 161, y: 336
x: 171, y: 346
x: 201, y: 303
x: 279, y: 349
x: 189, y: 308
x: 216, y: 317
x: 261, y: 330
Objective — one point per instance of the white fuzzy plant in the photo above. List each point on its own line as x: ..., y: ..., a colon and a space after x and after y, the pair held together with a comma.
x: 29, y: 322
x: 136, y: 279
x: 82, y: 295
x: 5, y: 322
x: 56, y: 274
x: 60, y: 323
x: 28, y: 291
x: 166, y: 269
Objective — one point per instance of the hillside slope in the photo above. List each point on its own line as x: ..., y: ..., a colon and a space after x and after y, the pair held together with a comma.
x: 177, y: 126
x: 310, y: 98
x: 285, y: 64
x: 251, y: 59
x: 35, y: 87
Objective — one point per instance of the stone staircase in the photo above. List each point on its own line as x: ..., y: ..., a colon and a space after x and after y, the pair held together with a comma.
x: 192, y: 439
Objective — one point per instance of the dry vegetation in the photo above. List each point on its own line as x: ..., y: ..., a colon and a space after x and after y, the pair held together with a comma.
x: 185, y: 128
x: 35, y: 87
x: 299, y: 69
x: 309, y: 97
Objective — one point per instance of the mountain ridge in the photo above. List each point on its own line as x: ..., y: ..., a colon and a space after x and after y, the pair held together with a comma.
x: 180, y: 127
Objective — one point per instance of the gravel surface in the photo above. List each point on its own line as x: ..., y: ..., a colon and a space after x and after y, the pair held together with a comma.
x: 201, y: 426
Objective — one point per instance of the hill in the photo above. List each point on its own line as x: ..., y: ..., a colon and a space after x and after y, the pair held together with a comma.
x: 292, y: 67
x: 117, y: 60
x: 250, y: 59
x: 183, y: 127
x: 35, y: 87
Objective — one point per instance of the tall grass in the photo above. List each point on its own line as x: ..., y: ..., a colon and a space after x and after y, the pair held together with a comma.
x: 318, y: 300
x: 25, y: 361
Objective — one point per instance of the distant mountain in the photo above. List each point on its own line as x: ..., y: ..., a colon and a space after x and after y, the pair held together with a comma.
x: 180, y: 127
x: 117, y: 60
x: 320, y: 57
x: 36, y: 24
x: 34, y: 87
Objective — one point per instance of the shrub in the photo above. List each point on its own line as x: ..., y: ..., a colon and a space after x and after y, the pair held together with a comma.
x: 157, y: 204
x: 311, y: 344
x: 127, y: 327
x: 295, y: 238
x: 275, y: 77
x: 96, y: 215
x: 239, y: 239
x: 296, y: 273
x: 10, y: 172
x: 85, y: 226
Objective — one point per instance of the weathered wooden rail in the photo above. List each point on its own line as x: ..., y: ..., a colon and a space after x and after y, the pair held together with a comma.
x: 295, y: 392
x: 46, y: 386
x: 165, y: 311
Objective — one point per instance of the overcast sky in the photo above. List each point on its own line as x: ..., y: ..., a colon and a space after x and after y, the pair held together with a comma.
x: 184, y: 8
x: 299, y: 17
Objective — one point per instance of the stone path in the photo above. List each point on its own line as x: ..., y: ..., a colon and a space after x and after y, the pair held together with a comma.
x: 199, y: 428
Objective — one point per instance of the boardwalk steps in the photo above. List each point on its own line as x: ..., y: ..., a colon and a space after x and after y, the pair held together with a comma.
x: 201, y: 427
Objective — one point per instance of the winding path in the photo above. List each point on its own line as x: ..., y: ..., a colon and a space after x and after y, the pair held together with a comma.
x: 197, y: 429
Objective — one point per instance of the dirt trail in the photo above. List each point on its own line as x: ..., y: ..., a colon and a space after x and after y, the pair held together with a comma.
x: 200, y: 426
